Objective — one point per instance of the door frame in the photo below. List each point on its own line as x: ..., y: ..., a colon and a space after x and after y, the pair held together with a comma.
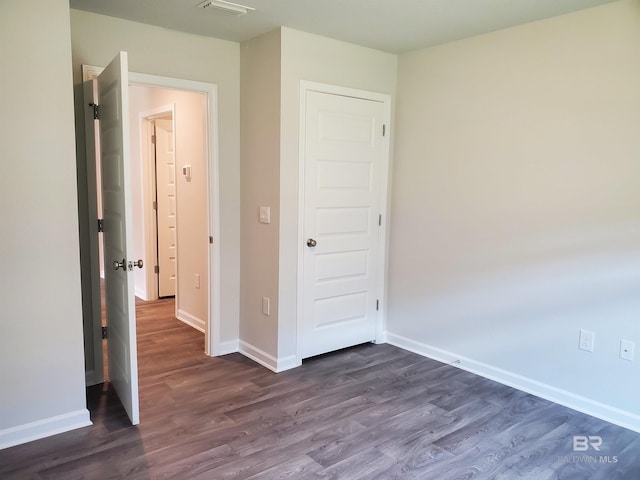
x: 149, y: 177
x: 212, y: 344
x: 308, y: 86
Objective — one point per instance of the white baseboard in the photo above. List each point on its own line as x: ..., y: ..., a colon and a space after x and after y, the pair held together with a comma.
x: 141, y: 294
x: 190, y: 320
x: 257, y: 355
x: 46, y: 427
x: 582, y: 404
x: 225, y: 348
x: 287, y: 363
x: 266, y: 360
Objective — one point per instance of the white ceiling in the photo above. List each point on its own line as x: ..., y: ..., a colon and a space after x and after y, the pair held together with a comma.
x: 390, y: 25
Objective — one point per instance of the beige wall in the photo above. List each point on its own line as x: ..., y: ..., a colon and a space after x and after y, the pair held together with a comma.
x: 95, y: 41
x: 41, y: 352
x: 191, y: 196
x: 516, y: 207
x: 260, y: 126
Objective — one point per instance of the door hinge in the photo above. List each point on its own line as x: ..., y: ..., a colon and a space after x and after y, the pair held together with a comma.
x: 156, y: 269
x: 380, y: 220
x: 153, y: 139
x: 96, y: 110
x: 210, y: 239
x: 155, y: 205
x: 377, y: 304
x: 100, y: 225
x: 105, y: 333
x: 384, y: 129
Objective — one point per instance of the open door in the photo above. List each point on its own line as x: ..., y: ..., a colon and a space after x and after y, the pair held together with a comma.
x: 113, y: 115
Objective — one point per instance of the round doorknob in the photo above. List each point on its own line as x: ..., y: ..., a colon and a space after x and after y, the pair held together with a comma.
x: 138, y: 264
x: 311, y: 242
x: 122, y: 265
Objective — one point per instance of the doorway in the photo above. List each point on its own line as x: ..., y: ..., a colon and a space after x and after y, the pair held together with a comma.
x: 344, y: 161
x: 163, y: 155
x: 158, y: 160
x: 169, y: 131
x: 208, y: 176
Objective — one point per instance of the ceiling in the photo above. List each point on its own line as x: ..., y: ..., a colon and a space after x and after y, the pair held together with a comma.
x: 394, y: 26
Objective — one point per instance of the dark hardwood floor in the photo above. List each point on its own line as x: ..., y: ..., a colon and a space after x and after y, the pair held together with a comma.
x: 369, y: 412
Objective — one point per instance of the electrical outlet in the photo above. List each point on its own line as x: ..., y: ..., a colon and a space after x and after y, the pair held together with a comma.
x: 266, y: 306
x: 587, y: 340
x: 626, y: 349
x: 196, y: 282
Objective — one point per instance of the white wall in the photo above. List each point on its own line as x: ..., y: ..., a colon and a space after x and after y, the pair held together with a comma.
x: 95, y: 41
x: 41, y: 352
x: 516, y: 207
x: 260, y: 127
x: 191, y: 196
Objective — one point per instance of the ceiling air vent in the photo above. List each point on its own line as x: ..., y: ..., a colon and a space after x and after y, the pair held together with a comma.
x: 225, y: 7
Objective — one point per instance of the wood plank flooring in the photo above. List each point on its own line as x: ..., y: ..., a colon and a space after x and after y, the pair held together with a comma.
x: 369, y: 412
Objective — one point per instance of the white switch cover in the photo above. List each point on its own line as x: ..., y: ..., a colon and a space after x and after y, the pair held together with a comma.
x: 266, y: 305
x: 265, y: 214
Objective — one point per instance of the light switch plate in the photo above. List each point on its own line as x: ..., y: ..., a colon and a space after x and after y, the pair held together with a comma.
x: 265, y: 214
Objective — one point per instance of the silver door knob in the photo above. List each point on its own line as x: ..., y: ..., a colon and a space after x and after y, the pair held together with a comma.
x: 311, y: 242
x: 122, y: 265
x: 138, y: 264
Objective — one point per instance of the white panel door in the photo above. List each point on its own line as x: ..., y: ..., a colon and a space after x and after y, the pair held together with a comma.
x: 113, y: 85
x: 166, y: 198
x: 344, y: 154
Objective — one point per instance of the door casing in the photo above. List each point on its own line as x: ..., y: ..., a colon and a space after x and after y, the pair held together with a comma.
x: 213, y: 345
x: 306, y: 86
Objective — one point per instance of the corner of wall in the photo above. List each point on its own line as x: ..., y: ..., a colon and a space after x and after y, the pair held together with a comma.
x: 260, y: 186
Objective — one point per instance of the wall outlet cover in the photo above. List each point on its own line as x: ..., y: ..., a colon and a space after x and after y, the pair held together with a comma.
x: 587, y: 340
x: 627, y: 348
